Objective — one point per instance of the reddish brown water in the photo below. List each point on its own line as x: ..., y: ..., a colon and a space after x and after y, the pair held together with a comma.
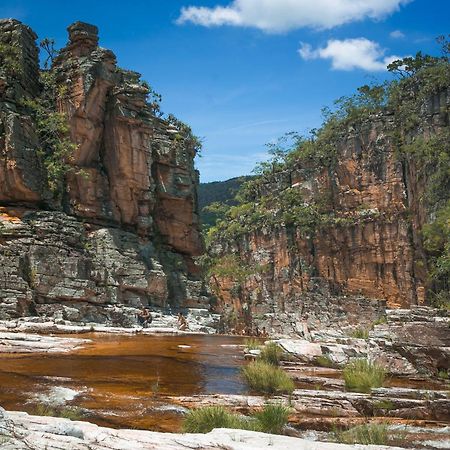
x: 123, y: 380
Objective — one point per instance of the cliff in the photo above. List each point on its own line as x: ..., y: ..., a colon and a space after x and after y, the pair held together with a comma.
x: 332, y: 230
x: 98, y: 202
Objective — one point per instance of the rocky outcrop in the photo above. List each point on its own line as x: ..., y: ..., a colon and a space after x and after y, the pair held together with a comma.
x: 123, y: 228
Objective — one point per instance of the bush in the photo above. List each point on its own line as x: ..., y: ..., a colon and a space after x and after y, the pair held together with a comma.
x: 271, y: 353
x: 272, y: 419
x: 367, y: 434
x: 361, y: 375
x: 266, y: 378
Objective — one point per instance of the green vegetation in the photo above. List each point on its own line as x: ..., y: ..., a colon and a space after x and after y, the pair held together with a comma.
x: 367, y: 434
x: 325, y: 361
x: 185, y: 133
x: 386, y: 405
x: 203, y: 420
x: 10, y: 67
x: 252, y: 344
x: 267, y: 379
x: 271, y: 419
x: 214, y: 198
x: 381, y: 320
x: 443, y: 374
x: 274, y: 199
x: 52, y: 127
x: 361, y: 375
x: 360, y: 333
x: 437, y: 243
x: 67, y: 413
x: 271, y: 353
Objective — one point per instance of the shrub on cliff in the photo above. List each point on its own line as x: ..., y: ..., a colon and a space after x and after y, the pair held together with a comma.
x: 271, y: 353
x: 267, y: 379
x: 271, y: 419
x: 361, y: 375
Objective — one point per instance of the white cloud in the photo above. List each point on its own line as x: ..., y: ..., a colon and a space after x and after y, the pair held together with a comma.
x: 284, y: 15
x: 397, y: 34
x: 349, y: 54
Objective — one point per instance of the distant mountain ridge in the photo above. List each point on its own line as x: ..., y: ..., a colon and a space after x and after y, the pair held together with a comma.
x: 218, y: 191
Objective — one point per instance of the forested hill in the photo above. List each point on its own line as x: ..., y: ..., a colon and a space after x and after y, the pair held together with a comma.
x: 217, y: 191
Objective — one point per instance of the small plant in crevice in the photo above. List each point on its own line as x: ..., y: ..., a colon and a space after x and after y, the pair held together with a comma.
x: 362, y: 375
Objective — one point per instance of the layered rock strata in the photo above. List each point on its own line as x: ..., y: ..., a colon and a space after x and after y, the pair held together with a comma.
x: 369, y: 252
x: 123, y: 229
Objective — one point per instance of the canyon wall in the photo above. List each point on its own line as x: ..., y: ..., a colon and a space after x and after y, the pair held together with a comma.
x: 120, y: 228
x: 367, y: 254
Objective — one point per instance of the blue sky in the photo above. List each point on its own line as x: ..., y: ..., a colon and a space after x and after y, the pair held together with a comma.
x: 244, y: 72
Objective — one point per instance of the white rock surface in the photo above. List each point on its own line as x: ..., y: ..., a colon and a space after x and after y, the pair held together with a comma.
x: 28, y: 343
x: 23, y: 431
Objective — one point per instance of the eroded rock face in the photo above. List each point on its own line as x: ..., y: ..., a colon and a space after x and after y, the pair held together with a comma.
x: 124, y: 228
x: 371, y: 249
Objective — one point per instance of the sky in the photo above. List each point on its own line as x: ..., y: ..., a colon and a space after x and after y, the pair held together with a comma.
x: 242, y: 73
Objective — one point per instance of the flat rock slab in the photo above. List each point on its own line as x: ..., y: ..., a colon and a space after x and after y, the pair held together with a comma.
x: 29, y: 343
x: 35, y: 432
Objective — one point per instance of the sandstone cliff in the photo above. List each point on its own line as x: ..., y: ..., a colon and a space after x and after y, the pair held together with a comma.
x: 111, y: 225
x: 330, y: 235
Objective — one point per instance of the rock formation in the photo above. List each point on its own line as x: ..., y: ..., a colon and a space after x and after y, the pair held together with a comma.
x: 366, y: 253
x: 121, y: 228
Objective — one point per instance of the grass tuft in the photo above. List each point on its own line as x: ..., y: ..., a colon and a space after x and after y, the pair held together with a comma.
x: 66, y: 413
x: 362, y: 375
x: 325, y: 361
x: 360, y: 333
x: 386, y: 405
x: 271, y: 353
x: 271, y: 419
x: 204, y: 420
x: 367, y: 434
x: 252, y: 344
x: 267, y: 379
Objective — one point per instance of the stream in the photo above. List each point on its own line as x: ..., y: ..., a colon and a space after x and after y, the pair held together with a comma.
x: 122, y: 381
